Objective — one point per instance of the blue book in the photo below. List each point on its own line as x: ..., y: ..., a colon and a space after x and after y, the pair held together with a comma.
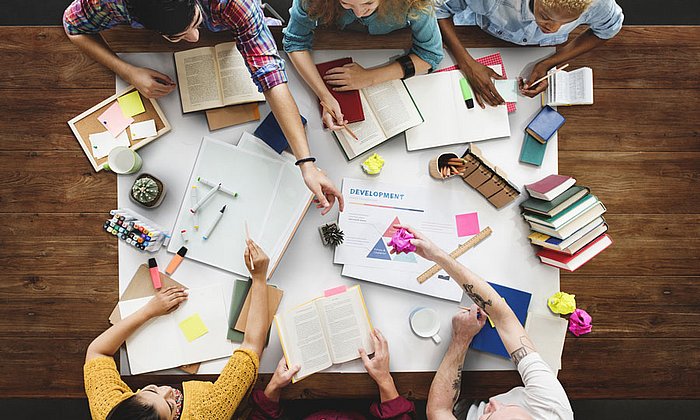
x: 532, y: 151
x: 270, y: 132
x: 488, y: 340
x: 545, y: 124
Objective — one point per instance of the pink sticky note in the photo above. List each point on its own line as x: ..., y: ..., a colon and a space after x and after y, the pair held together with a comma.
x: 467, y: 224
x: 335, y: 291
x: 114, y: 120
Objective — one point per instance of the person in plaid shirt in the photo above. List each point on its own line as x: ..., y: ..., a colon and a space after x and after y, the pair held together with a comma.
x: 178, y: 20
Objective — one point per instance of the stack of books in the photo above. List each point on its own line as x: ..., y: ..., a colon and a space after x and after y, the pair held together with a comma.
x: 566, y: 222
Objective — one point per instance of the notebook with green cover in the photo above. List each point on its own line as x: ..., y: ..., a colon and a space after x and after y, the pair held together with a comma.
x: 532, y: 151
x: 554, y: 207
x: 566, y: 215
x: 240, y: 291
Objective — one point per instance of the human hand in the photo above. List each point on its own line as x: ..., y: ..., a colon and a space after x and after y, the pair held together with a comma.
x: 466, y: 324
x: 165, y: 301
x: 377, y: 366
x: 480, y: 79
x: 332, y: 114
x: 322, y: 187
x: 424, y: 246
x: 280, y: 379
x: 260, y: 260
x: 151, y: 83
x: 351, y: 76
x: 540, y: 70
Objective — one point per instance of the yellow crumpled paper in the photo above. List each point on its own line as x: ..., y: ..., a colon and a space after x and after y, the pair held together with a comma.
x: 373, y: 165
x: 562, y: 303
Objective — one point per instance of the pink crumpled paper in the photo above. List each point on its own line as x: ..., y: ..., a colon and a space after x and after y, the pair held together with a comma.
x: 401, y: 241
x: 580, y: 322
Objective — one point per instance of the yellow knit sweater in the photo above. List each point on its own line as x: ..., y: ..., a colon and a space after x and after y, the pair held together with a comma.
x: 202, y: 400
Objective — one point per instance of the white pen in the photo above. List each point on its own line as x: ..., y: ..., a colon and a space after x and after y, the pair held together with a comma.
x: 221, y: 187
x: 206, y: 198
x: 212, y: 225
x: 193, y: 202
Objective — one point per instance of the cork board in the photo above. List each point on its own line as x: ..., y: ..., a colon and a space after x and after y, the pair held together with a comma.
x: 87, y: 123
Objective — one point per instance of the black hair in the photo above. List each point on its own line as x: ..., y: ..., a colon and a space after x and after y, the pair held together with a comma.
x: 133, y: 408
x: 169, y: 17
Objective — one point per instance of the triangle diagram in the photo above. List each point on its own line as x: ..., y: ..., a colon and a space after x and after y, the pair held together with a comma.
x: 379, y: 251
x: 389, y: 232
x: 403, y: 257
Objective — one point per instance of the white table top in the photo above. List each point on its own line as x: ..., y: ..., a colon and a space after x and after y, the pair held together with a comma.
x: 307, y: 268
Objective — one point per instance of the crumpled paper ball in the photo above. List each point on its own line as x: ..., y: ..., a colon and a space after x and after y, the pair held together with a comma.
x: 562, y: 303
x: 373, y: 164
x: 580, y: 322
x: 401, y: 241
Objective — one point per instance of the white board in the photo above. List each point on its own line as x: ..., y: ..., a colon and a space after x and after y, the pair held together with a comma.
x: 160, y: 344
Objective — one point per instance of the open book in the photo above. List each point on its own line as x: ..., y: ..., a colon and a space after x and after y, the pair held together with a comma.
x: 570, y: 88
x: 212, y: 77
x: 389, y: 110
x: 325, y: 331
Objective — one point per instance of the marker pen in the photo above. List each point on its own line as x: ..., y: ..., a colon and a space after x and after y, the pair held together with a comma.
x: 175, y: 262
x: 213, y: 184
x: 214, y: 222
x: 155, y: 275
x: 193, y: 202
x: 185, y: 235
x: 466, y: 93
x: 206, y: 198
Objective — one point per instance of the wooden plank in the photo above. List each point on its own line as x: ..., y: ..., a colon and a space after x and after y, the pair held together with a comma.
x: 641, y: 182
x: 646, y: 120
x: 65, y: 181
x: 29, y: 105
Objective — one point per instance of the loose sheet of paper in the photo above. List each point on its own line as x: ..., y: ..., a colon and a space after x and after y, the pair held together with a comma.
x: 103, y: 143
x: 114, y: 121
x: 508, y: 89
x: 193, y: 327
x: 131, y: 104
x: 467, y: 224
x: 143, y: 129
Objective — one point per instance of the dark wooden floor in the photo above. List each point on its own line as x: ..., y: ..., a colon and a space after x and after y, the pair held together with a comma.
x: 637, y: 148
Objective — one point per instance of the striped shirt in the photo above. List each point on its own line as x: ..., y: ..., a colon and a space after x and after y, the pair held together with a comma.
x: 243, y: 17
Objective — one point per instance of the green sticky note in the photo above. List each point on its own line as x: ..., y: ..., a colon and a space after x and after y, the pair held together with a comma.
x: 131, y: 104
x: 193, y: 327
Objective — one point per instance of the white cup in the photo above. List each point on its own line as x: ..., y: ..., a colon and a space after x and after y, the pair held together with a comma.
x: 122, y: 160
x: 425, y: 323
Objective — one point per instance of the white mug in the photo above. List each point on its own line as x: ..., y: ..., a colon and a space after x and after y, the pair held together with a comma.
x: 425, y: 323
x: 122, y: 160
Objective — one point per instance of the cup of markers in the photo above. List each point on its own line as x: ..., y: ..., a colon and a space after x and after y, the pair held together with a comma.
x: 134, y: 232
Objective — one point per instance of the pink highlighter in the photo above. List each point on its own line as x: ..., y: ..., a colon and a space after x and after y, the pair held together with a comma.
x: 155, y: 275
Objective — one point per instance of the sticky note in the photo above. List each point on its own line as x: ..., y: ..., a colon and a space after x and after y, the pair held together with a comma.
x: 131, y: 104
x: 193, y: 327
x: 498, y: 68
x: 143, y: 129
x: 103, y: 143
x: 467, y: 224
x: 114, y: 120
x: 508, y: 89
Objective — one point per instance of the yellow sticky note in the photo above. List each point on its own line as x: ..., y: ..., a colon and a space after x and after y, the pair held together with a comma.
x: 193, y: 327
x: 131, y: 104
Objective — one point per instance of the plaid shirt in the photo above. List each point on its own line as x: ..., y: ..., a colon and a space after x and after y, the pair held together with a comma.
x: 243, y: 17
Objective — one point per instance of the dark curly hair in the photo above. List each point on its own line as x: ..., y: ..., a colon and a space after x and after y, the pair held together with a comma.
x: 133, y: 408
x: 169, y: 17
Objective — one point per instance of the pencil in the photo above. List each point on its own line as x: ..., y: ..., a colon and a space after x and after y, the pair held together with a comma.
x: 548, y: 76
x: 247, y: 236
x: 330, y: 111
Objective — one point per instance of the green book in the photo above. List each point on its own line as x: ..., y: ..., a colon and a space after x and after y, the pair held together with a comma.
x: 565, y: 216
x: 560, y: 203
x: 532, y: 151
x: 240, y: 291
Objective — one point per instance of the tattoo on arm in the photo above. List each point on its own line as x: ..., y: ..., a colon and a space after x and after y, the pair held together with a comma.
x: 478, y: 300
x: 457, y: 385
x: 523, y: 351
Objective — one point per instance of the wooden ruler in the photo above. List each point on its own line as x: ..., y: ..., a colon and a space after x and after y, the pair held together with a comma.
x: 471, y: 243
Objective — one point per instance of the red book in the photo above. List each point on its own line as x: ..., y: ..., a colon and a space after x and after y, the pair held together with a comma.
x: 550, y: 187
x: 350, y: 102
x: 572, y: 262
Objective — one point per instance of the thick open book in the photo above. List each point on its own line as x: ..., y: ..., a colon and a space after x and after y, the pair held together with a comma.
x: 389, y: 110
x: 570, y: 88
x: 325, y: 331
x: 212, y: 77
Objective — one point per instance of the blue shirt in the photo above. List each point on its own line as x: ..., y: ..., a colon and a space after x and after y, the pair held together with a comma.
x: 427, y: 41
x: 512, y: 20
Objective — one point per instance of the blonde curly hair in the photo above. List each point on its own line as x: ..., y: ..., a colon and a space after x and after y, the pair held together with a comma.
x: 576, y: 7
x: 327, y: 12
